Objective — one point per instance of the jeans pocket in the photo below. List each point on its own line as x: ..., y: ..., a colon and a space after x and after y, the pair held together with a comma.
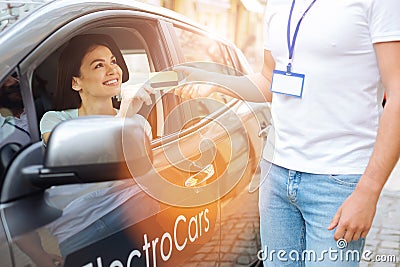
x: 349, y: 180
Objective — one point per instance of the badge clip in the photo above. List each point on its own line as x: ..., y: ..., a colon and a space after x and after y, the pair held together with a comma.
x: 289, y: 69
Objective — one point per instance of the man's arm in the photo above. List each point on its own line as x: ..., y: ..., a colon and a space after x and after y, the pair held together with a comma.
x: 354, y: 218
x: 263, y: 80
x: 253, y: 87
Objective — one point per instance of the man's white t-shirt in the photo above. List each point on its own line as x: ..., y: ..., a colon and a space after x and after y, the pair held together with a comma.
x: 332, y: 128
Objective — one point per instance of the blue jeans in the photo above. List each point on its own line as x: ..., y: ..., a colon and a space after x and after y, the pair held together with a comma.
x: 295, y: 211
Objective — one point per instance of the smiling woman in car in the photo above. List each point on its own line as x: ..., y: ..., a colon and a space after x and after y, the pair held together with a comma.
x: 91, y: 70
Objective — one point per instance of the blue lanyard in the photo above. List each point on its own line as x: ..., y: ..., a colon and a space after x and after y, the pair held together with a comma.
x: 292, y: 43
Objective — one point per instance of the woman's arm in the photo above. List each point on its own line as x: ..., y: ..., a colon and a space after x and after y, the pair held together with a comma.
x: 49, y: 120
x: 45, y: 137
x: 32, y: 246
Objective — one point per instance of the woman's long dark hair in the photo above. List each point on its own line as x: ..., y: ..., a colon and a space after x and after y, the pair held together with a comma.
x: 69, y: 64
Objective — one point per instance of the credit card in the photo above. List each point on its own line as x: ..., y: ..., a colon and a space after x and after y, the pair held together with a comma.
x: 163, y: 80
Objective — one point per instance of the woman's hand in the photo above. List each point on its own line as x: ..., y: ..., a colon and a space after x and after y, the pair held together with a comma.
x: 133, y: 97
x: 49, y: 260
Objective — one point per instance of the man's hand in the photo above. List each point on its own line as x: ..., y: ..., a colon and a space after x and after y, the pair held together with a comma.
x: 196, y: 80
x: 192, y: 91
x: 354, y: 217
x: 192, y: 74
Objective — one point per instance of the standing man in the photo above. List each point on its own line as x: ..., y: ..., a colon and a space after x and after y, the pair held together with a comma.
x: 332, y: 146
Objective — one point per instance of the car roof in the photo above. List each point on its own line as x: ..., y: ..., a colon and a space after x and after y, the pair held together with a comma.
x: 33, y: 27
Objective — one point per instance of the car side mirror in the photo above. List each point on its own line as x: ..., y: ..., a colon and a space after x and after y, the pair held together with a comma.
x: 95, y: 149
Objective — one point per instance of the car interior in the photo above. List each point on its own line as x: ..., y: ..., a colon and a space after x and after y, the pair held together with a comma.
x: 136, y: 55
x: 139, y: 47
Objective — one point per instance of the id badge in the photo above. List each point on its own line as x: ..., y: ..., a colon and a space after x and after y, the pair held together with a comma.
x: 287, y: 83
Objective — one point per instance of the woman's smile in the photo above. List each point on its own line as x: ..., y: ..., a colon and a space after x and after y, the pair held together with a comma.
x: 112, y: 82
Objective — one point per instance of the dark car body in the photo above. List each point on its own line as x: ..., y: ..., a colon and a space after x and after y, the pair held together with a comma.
x: 195, y: 200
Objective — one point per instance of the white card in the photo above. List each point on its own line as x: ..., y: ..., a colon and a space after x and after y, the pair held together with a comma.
x: 287, y: 83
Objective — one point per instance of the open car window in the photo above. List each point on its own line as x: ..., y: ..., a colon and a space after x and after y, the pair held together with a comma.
x: 141, y: 51
x: 137, y: 57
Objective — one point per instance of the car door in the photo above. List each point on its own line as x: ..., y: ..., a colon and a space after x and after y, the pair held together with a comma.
x: 240, y: 239
x: 152, y: 228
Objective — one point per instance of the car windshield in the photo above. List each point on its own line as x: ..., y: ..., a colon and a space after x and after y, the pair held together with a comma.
x: 13, y: 10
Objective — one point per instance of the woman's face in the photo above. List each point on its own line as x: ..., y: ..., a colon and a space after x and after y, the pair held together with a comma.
x: 100, y: 75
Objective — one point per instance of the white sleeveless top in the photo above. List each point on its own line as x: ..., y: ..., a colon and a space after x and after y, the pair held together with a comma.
x: 83, y: 204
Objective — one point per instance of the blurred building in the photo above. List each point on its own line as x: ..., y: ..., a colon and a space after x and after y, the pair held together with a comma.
x: 240, y: 21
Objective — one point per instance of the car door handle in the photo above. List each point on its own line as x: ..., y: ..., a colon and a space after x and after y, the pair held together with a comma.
x: 200, y: 177
x: 264, y: 131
